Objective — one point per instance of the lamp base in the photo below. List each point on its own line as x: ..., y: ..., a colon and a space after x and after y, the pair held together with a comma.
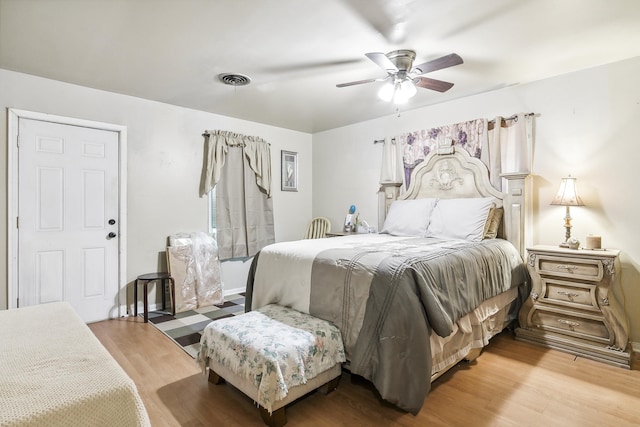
x: 570, y: 244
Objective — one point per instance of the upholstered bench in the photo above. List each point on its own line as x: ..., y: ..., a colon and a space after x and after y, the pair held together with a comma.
x: 274, y: 355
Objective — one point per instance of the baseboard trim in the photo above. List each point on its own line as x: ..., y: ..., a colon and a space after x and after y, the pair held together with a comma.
x: 236, y: 291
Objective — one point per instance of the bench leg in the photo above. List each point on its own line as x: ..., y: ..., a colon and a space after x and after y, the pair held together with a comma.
x: 330, y: 386
x: 277, y: 418
x: 215, y: 378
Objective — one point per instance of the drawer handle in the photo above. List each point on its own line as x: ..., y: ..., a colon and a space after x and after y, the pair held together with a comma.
x: 571, y: 324
x: 566, y: 267
x: 570, y: 295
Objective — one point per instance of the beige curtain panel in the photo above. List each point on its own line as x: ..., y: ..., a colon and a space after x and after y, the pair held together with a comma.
x: 509, y: 147
x: 239, y: 167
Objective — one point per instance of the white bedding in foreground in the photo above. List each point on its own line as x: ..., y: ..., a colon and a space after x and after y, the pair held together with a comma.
x: 55, y: 372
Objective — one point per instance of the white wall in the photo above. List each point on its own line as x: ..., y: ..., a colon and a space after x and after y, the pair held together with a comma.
x: 165, y: 149
x: 586, y: 125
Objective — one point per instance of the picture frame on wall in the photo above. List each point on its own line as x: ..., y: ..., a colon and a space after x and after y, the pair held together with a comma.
x: 289, y: 170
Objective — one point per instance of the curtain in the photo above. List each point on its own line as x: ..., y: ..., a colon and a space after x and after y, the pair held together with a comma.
x: 509, y: 147
x: 257, y: 151
x: 504, y: 148
x: 240, y: 168
x: 415, y: 146
x: 392, y: 169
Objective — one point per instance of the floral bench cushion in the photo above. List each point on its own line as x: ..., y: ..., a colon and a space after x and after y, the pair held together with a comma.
x: 274, y: 347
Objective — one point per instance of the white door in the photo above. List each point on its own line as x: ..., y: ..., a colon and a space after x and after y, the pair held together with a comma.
x: 68, y: 217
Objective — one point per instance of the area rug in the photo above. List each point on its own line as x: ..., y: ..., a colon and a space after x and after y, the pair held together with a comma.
x: 185, y: 328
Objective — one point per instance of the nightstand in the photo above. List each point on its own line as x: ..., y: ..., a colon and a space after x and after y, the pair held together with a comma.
x: 572, y: 306
x: 339, y: 233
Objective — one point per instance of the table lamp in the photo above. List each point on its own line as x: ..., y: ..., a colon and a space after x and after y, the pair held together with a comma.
x: 567, y: 196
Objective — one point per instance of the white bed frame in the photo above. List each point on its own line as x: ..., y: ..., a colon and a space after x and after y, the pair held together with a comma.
x: 450, y: 173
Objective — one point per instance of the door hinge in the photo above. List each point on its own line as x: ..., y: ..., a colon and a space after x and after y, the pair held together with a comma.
x: 17, y: 222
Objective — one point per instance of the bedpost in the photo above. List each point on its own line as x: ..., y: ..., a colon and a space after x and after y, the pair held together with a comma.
x: 518, y: 211
x: 388, y: 193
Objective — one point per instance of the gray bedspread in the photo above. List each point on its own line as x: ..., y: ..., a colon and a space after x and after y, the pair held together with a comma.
x: 387, y: 296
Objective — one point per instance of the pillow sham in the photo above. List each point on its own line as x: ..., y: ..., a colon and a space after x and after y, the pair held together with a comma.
x: 492, y: 225
x: 409, y: 217
x: 460, y: 218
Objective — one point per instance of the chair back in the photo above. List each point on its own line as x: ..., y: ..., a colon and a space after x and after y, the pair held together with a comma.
x: 318, y: 228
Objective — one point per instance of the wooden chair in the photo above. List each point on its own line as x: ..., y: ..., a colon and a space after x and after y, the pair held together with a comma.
x: 318, y: 228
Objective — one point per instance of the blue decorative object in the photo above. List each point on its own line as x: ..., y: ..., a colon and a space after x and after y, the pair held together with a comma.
x: 352, y: 209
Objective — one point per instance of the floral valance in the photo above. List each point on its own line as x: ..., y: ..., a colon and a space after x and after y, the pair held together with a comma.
x: 503, y: 144
x: 418, y: 144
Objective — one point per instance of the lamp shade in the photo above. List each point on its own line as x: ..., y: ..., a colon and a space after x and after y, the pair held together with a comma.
x: 567, y: 194
x: 404, y: 91
x: 386, y: 92
x: 398, y: 91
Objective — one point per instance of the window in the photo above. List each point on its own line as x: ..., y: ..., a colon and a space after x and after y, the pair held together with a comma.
x: 212, y: 212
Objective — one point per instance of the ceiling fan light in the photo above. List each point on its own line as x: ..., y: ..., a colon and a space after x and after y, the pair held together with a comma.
x: 408, y: 88
x: 386, y: 92
x: 404, y: 91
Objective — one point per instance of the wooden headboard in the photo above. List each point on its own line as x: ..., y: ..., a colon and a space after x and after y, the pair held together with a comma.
x: 455, y: 174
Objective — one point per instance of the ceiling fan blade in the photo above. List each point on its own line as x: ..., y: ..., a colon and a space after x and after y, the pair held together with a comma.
x: 382, y: 61
x: 359, y: 82
x: 433, y: 84
x: 437, y: 64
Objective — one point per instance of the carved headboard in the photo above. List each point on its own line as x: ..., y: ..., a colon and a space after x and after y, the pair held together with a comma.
x: 458, y: 175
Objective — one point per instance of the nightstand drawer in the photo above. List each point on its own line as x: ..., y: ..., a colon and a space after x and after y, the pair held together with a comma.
x: 585, y: 269
x: 591, y: 328
x: 569, y: 294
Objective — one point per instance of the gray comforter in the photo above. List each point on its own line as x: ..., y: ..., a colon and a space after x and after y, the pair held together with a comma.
x: 387, y: 296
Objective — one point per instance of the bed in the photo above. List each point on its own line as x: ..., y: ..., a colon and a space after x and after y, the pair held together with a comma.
x: 414, y: 301
x: 55, y: 372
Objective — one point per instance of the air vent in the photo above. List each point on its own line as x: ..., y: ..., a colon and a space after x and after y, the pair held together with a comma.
x: 234, y: 79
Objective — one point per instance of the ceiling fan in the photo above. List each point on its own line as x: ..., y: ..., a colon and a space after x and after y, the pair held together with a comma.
x: 403, y: 77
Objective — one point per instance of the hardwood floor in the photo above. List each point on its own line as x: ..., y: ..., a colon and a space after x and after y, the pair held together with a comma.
x: 511, y: 384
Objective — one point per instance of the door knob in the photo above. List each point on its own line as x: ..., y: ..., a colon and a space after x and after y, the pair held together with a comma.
x: 111, y: 235
x: 112, y: 221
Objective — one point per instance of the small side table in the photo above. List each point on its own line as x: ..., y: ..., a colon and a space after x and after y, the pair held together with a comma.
x: 145, y: 279
x: 339, y: 233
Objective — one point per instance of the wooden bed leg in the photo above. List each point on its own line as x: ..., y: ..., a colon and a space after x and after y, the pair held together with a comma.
x: 215, y: 378
x: 277, y: 418
x: 330, y: 386
x: 473, y: 354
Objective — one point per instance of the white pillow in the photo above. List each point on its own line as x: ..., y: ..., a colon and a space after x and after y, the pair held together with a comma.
x: 409, y: 217
x: 460, y: 219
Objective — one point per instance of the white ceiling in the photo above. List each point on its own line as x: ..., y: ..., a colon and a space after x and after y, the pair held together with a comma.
x: 296, y: 51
